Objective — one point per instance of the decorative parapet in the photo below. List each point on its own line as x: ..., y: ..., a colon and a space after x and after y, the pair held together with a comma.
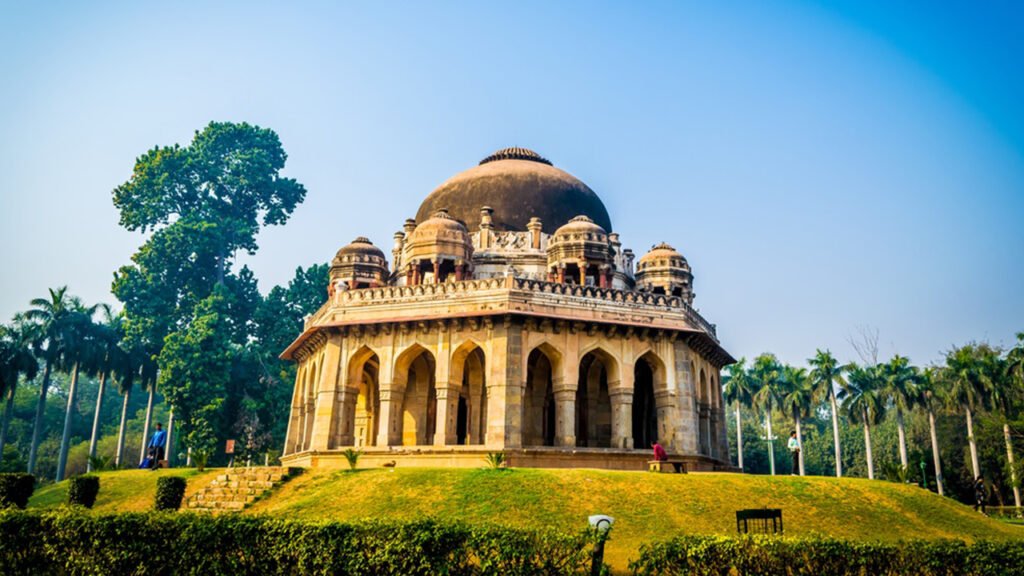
x: 492, y: 287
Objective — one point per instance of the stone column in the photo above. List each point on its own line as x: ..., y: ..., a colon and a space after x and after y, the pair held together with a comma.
x: 689, y: 424
x: 583, y: 272
x: 347, y: 398
x: 294, y: 421
x: 561, y: 273
x: 705, y: 429
x: 713, y: 433
x: 447, y: 413
x: 565, y: 417
x: 505, y: 386
x: 622, y: 417
x: 389, y: 431
x: 325, y: 407
x: 534, y: 226
x: 437, y: 271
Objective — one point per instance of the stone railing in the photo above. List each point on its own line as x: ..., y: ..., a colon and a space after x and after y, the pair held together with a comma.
x: 525, y: 284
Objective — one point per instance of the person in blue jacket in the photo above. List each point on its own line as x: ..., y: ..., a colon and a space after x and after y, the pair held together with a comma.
x: 156, y: 446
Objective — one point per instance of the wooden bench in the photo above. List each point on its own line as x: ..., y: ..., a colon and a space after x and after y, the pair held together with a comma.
x: 667, y: 466
x: 761, y: 517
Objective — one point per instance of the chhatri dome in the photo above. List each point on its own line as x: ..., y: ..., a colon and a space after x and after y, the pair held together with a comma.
x: 508, y: 317
x: 518, y: 184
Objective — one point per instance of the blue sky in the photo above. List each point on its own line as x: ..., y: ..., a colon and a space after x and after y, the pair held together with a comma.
x: 822, y: 165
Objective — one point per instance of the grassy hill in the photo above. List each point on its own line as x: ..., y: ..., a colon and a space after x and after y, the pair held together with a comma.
x: 646, y: 507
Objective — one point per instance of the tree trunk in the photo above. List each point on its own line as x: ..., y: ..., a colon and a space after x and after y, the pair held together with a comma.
x: 8, y: 411
x: 37, y: 429
x: 739, y: 437
x: 96, y: 421
x: 771, y: 441
x: 800, y: 443
x: 974, y: 447
x: 867, y: 447
x: 119, y: 456
x: 169, y: 445
x: 145, y: 425
x: 935, y: 452
x: 901, y: 432
x: 65, y: 439
x: 835, y: 431
x: 1013, y: 470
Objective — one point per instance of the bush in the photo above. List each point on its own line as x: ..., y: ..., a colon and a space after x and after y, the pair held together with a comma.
x: 82, y: 490
x: 714, y: 555
x: 16, y: 488
x: 64, y: 541
x: 169, y: 492
x: 352, y: 456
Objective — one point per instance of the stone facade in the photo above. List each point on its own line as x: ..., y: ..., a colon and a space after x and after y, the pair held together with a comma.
x: 540, y: 345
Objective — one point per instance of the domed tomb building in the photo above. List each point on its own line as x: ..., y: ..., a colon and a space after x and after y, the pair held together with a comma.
x: 510, y: 319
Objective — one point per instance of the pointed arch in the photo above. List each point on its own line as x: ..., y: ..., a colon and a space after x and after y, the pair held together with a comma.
x: 597, y: 370
x: 468, y: 374
x: 538, y: 420
x: 363, y: 373
x: 649, y: 407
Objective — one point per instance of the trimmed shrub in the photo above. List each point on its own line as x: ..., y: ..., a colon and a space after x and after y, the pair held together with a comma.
x: 169, y: 492
x: 64, y: 541
x: 82, y: 490
x: 16, y: 488
x: 714, y: 555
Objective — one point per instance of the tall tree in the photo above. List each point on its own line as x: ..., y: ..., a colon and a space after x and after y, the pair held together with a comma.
x: 968, y: 379
x: 16, y: 360
x: 864, y: 403
x: 932, y: 399
x: 109, y: 361
x: 738, y: 389
x: 766, y: 372
x: 901, y: 388
x: 130, y: 370
x: 1006, y: 401
x: 797, y: 399
x: 47, y: 320
x: 78, y: 354
x: 826, y: 374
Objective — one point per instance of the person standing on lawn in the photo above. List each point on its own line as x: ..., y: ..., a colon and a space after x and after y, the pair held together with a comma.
x: 156, y: 446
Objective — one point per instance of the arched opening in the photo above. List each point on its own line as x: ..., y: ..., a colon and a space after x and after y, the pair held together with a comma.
x: 462, y: 421
x: 429, y: 273
x: 367, y: 401
x: 539, y: 401
x: 414, y: 373
x: 593, y: 404
x: 704, y: 407
x: 645, y: 410
x: 468, y: 365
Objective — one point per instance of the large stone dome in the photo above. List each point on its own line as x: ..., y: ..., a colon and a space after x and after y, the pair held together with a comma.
x: 518, y: 184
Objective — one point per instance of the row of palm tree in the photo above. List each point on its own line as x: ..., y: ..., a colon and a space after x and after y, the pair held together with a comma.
x: 974, y: 378
x: 64, y: 335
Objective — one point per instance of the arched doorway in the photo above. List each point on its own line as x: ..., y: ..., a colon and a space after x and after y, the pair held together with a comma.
x: 539, y: 401
x: 469, y: 406
x: 593, y: 404
x: 414, y: 373
x: 645, y: 409
x: 704, y: 408
x: 363, y: 370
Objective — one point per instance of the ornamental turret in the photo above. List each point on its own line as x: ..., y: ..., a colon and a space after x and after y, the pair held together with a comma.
x: 663, y: 270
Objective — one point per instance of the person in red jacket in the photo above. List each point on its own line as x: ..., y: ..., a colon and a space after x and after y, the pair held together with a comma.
x: 659, y: 453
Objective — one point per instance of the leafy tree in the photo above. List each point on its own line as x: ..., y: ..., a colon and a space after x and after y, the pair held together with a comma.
x: 864, y: 403
x: 1007, y: 395
x: 738, y: 389
x: 932, y: 398
x: 826, y: 374
x: 16, y: 360
x: 797, y: 399
x: 901, y: 387
x: 766, y: 372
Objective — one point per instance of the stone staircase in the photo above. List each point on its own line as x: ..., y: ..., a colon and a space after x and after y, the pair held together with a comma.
x: 238, y: 487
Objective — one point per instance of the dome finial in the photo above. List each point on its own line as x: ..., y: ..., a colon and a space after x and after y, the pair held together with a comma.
x: 516, y: 153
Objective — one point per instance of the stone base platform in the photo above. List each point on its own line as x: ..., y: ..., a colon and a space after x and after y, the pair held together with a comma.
x: 475, y: 457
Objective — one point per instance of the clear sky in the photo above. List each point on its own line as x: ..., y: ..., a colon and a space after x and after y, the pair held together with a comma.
x: 821, y: 165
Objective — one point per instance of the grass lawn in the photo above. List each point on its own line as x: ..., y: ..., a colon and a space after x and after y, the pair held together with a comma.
x: 646, y: 507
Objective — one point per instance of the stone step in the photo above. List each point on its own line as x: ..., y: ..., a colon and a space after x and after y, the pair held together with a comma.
x: 235, y: 489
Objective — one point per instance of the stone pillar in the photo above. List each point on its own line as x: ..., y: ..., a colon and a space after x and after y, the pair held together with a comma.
x: 583, y: 272
x: 291, y: 441
x: 389, y: 430
x: 486, y: 226
x: 565, y: 417
x: 561, y: 273
x: 325, y: 407
x: 688, y: 429
x: 534, y: 226
x: 705, y: 429
x: 475, y: 411
x: 713, y: 448
x: 396, y: 250
x: 447, y: 413
x: 347, y: 398
x: 460, y: 269
x: 505, y: 386
x: 622, y: 417
x: 437, y: 271
x: 723, y: 438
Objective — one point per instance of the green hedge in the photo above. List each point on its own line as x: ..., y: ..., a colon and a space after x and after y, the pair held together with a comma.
x: 15, y: 489
x: 75, y: 542
x: 82, y: 490
x: 169, y: 492
x: 765, y: 555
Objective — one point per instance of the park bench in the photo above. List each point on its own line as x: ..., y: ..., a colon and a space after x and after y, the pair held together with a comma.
x: 760, y: 518
x: 667, y: 466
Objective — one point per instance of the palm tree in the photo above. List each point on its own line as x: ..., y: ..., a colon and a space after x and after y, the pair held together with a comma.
x: 739, y: 390
x: 901, y: 387
x: 109, y: 358
x: 969, y: 384
x: 79, y: 353
x: 826, y: 374
x: 797, y: 399
x: 16, y: 360
x: 863, y: 403
x: 129, y: 371
x: 148, y: 382
x: 933, y: 398
x: 766, y: 374
x: 47, y: 321
x: 1009, y: 392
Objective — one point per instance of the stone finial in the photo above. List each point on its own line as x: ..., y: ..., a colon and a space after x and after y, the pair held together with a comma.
x: 485, y: 218
x: 534, y: 226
